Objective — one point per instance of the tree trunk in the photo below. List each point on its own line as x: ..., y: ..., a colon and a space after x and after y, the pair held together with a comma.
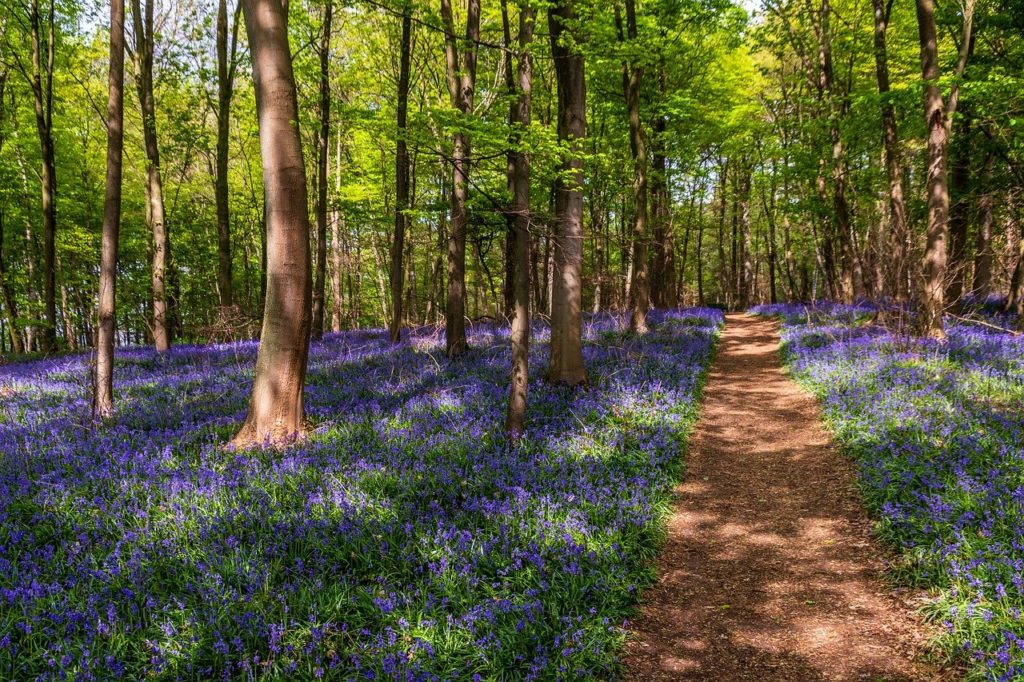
x: 155, y: 217
x: 983, y: 253
x: 276, y: 410
x: 103, y: 381
x: 5, y: 288
x: 898, y: 229
x: 225, y: 88
x: 632, y: 77
x: 959, y: 215
x: 566, y: 359
x: 41, y: 83
x: 747, y: 274
x: 933, y: 285
x: 323, y: 154
x: 938, y: 117
x: 401, y: 180
x: 461, y: 86
x: 520, y: 333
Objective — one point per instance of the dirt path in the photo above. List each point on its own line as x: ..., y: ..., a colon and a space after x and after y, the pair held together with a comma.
x: 768, y: 572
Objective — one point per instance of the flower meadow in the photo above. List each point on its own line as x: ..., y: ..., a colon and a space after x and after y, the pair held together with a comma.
x: 937, y: 432
x: 405, y: 539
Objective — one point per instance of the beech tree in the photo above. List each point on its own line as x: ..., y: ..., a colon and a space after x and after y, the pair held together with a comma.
x: 566, y: 357
x: 461, y: 77
x: 276, y: 409
x: 322, y: 155
x: 938, y: 118
x: 401, y: 178
x: 519, y: 120
x: 103, y: 380
x: 226, y: 67
x: 142, y: 16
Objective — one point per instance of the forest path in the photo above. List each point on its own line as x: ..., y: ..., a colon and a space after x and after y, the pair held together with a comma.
x: 768, y: 572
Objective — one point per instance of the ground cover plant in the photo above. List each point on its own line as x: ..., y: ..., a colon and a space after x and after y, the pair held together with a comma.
x: 403, y: 540
x: 937, y: 432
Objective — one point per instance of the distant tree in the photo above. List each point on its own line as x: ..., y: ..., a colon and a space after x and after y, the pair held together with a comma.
x: 276, y: 408
x: 103, y: 384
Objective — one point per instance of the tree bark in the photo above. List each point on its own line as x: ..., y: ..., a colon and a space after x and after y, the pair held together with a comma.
x: 41, y: 83
x: 103, y: 380
x: 323, y: 155
x: 225, y: 88
x: 898, y: 227
x: 747, y: 274
x: 566, y: 358
x: 155, y: 215
x: 401, y: 179
x: 959, y: 214
x: 276, y: 408
x: 520, y: 333
x: 632, y: 77
x: 937, y: 118
x: 461, y: 85
x: 983, y: 253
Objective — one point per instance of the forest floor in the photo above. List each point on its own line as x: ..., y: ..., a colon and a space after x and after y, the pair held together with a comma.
x: 768, y: 571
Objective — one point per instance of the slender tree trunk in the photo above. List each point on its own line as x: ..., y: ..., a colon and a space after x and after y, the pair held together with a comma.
x: 983, y: 253
x: 663, y: 281
x: 401, y: 179
x: 155, y: 216
x: 225, y: 89
x: 323, y: 154
x: 960, y: 214
x: 632, y: 81
x: 898, y: 229
x: 338, y: 265
x: 747, y: 275
x: 40, y: 80
x: 520, y: 334
x: 461, y: 75
x: 8, y: 294
x: 276, y: 409
x: 566, y: 360
x: 103, y: 381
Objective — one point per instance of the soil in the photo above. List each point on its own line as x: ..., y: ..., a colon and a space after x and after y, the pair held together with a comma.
x: 768, y: 571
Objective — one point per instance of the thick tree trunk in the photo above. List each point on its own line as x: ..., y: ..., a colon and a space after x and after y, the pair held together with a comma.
x: 103, y: 381
x: 323, y: 155
x: 461, y: 75
x: 898, y: 228
x: 520, y: 333
x: 155, y: 217
x: 276, y: 410
x: 566, y: 359
x: 401, y: 179
x: 225, y: 89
